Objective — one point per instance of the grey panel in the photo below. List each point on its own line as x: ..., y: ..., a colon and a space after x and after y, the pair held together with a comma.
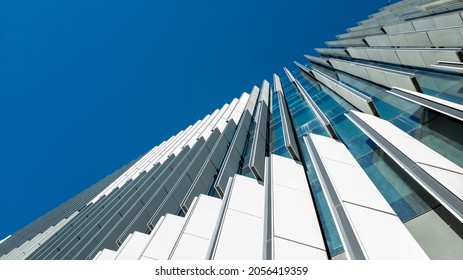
x: 318, y: 60
x: 379, y: 75
x: 232, y: 159
x: 257, y: 153
x: 356, y: 98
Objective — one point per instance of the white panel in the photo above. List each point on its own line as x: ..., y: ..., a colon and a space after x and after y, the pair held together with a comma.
x: 191, y: 247
x: 247, y: 196
x: 202, y: 221
x: 383, y: 235
x: 241, y: 237
x: 107, y: 255
x: 352, y: 183
x: 288, y: 250
x: 143, y: 258
x: 288, y: 174
x: 242, y: 230
x: 294, y: 217
x: 164, y: 238
x: 134, y: 248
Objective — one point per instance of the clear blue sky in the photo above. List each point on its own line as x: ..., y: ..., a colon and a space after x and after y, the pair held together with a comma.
x: 86, y: 86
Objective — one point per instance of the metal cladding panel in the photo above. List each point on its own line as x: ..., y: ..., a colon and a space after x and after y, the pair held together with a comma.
x: 243, y: 244
x: 389, y: 56
x: 287, y: 250
x: 191, y: 247
x: 418, y: 39
x: 436, y: 235
x: 251, y: 104
x: 202, y: 220
x: 431, y: 57
x: 257, y: 154
x: 383, y: 236
x: 451, y: 37
x: 240, y: 235
x: 382, y: 76
x: 201, y: 185
x: 358, y: 99
x: 164, y: 239
x: 291, y: 197
x: 134, y: 247
x: 401, y: 27
x: 439, y: 176
x: 369, y: 217
x: 229, y: 169
x: 288, y: 132
x: 257, y: 159
x: 264, y: 92
x: 233, y: 157
x: 107, y: 255
x: 318, y: 60
x: 411, y: 57
x: 199, y: 228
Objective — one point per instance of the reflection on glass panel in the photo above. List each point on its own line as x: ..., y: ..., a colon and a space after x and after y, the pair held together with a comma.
x: 282, y: 151
x: 405, y: 196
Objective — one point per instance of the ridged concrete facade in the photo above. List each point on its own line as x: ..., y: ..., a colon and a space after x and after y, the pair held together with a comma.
x: 355, y: 154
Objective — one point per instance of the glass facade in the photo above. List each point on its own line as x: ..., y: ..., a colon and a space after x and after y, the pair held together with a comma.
x: 254, y: 160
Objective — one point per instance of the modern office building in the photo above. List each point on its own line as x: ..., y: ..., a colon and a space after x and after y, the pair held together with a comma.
x: 354, y: 154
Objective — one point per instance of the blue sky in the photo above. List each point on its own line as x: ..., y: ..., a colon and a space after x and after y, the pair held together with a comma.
x: 86, y: 86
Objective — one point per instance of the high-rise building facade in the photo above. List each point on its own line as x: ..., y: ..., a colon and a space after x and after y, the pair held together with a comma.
x: 356, y: 154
